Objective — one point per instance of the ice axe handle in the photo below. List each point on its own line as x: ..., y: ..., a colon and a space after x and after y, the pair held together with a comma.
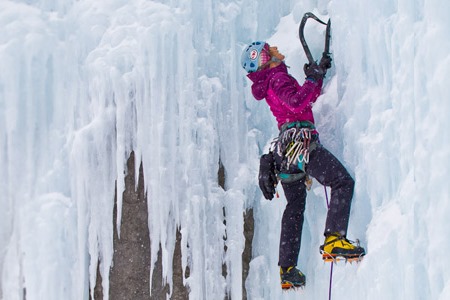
x: 305, y: 18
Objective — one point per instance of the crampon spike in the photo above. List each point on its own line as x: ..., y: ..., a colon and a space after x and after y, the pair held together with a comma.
x: 327, y: 257
x: 286, y: 286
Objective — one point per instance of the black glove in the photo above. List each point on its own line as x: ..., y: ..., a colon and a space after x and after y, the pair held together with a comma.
x: 325, y: 61
x: 314, y: 72
x: 267, y: 177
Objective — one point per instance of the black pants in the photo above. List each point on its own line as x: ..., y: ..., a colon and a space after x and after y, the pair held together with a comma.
x: 328, y: 171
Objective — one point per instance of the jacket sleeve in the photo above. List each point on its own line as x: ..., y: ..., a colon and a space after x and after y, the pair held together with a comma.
x: 259, y: 90
x: 296, y: 97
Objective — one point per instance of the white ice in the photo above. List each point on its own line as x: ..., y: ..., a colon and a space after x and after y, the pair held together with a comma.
x: 83, y: 83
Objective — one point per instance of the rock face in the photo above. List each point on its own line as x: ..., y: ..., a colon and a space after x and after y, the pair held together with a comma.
x: 249, y: 229
x: 130, y: 273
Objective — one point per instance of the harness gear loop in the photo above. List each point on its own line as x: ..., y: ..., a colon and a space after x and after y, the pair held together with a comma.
x: 295, y: 144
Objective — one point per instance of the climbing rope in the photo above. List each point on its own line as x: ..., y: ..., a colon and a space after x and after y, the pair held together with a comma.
x: 332, y: 264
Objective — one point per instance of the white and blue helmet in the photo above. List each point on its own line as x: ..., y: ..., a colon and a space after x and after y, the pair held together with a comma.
x: 250, y: 59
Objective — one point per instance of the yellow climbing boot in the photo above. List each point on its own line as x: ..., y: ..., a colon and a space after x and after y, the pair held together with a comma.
x: 337, y: 246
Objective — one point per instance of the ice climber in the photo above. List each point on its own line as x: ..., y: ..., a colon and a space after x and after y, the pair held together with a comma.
x: 297, y: 154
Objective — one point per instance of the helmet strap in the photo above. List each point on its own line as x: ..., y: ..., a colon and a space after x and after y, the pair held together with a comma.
x: 272, y: 60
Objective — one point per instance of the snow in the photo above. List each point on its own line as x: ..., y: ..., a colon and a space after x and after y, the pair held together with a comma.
x: 83, y: 83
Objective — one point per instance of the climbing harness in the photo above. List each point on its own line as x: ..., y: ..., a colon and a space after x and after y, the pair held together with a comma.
x: 326, y: 51
x: 294, y: 143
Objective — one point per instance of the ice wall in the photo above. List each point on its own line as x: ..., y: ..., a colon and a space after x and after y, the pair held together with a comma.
x: 399, y: 152
x: 383, y: 114
x: 82, y: 83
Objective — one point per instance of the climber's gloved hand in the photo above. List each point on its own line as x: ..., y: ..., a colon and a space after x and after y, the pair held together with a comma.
x: 267, y: 177
x: 325, y: 61
x: 314, y: 72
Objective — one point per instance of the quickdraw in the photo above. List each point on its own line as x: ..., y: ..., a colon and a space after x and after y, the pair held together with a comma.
x: 298, y: 148
x: 294, y: 144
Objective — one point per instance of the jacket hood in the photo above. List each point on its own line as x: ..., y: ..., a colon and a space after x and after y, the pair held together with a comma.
x: 261, y: 80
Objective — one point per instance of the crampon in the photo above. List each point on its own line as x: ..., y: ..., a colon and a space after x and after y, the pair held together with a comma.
x: 286, y: 285
x: 328, y: 257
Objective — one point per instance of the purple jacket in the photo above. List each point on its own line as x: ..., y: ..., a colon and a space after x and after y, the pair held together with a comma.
x: 287, y: 100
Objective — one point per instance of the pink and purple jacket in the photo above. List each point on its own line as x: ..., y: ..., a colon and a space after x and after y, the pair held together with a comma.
x: 288, y: 101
